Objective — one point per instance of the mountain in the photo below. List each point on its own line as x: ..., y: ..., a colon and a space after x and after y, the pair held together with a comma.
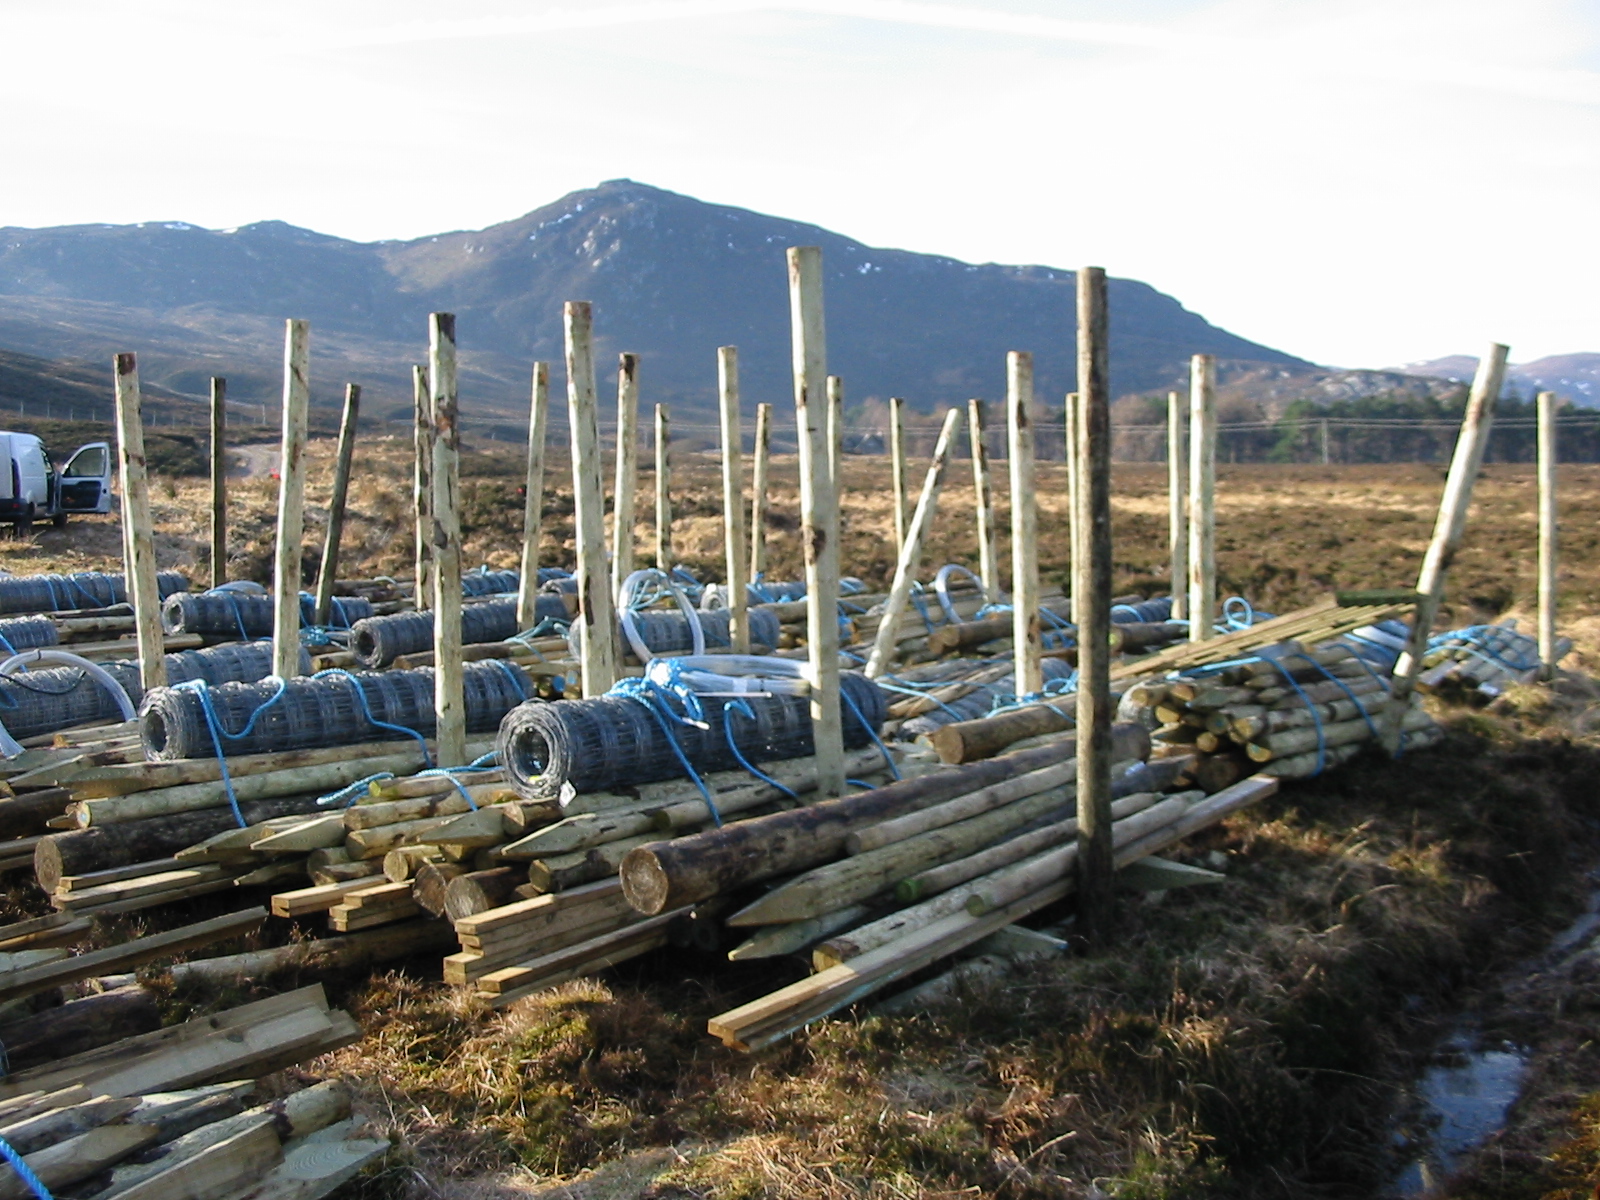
x: 1574, y: 377
x: 670, y: 277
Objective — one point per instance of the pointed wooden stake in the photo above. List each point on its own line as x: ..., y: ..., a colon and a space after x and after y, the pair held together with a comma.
x: 137, y: 535
x: 422, y: 485
x: 988, y: 553
x: 341, y: 489
x: 760, y: 454
x: 1178, y: 504
x: 627, y: 477
x: 663, y: 489
x: 733, y: 497
x: 449, y: 694
x: 596, y: 608
x: 533, y: 501
x: 1202, y: 497
x: 219, y: 481
x: 1024, y: 524
x: 291, y: 502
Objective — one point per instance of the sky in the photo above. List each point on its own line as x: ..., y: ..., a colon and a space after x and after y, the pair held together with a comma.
x: 1359, y: 182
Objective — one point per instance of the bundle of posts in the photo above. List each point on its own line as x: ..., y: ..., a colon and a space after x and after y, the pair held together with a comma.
x: 66, y: 593
x: 617, y: 741
x: 235, y: 614
x: 319, y: 710
x: 378, y: 641
x: 1485, y: 658
x: 179, y: 1111
x: 977, y: 702
x: 1291, y: 713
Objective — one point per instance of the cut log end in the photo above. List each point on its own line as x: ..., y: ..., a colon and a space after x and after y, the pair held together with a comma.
x: 645, y: 885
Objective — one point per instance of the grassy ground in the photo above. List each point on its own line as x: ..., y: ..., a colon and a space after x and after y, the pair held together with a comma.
x: 1243, y: 1040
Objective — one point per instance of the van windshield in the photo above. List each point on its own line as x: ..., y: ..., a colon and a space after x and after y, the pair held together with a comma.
x: 90, y: 463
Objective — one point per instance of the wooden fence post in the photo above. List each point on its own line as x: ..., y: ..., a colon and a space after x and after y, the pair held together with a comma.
x: 341, y: 490
x: 733, y: 497
x: 663, y: 489
x: 1074, y: 534
x: 835, y: 433
x: 533, y: 503
x: 219, y: 481
x: 137, y: 535
x: 1092, y: 582
x: 422, y: 486
x: 291, y: 501
x: 449, y: 690
x: 905, y: 571
x: 819, y: 513
x: 760, y: 453
x: 897, y: 469
x: 983, y: 505
x: 1024, y: 524
x: 1178, y: 504
x: 596, y: 601
x: 1448, y: 527
x: 1202, y: 497
x: 1547, y: 531
x: 623, y: 509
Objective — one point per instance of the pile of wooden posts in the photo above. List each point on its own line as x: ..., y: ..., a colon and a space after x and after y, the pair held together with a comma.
x: 173, y: 1112
x: 1487, y: 659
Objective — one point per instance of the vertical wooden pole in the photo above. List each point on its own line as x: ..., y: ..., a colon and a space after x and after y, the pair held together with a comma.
x: 1074, y: 534
x: 988, y: 568
x: 341, y: 490
x: 1448, y: 527
x: 596, y: 607
x: 819, y: 514
x: 219, y: 481
x: 663, y: 488
x: 905, y: 571
x: 1024, y: 524
x: 449, y: 690
x: 1178, y: 504
x: 291, y: 501
x: 1323, y: 430
x: 1092, y: 582
x: 627, y: 477
x: 835, y: 430
x: 1547, y: 531
x: 1202, y: 497
x: 761, y: 452
x: 422, y: 486
x: 533, y: 503
x: 897, y: 468
x: 733, y: 497
x: 137, y: 535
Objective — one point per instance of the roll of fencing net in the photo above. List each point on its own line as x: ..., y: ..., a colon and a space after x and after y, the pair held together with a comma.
x: 979, y: 702
x: 28, y: 633
x: 378, y: 641
x: 490, y: 583
x: 64, y: 593
x: 43, y: 701
x: 618, y: 741
x: 1144, y: 612
x: 243, y: 616
x: 667, y: 631
x: 331, y: 708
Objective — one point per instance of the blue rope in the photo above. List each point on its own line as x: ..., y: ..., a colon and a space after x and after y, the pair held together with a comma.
x: 351, y: 792
x: 888, y: 758
x: 366, y: 711
x: 1316, y: 720
x: 24, y: 1171
x: 653, y: 697
x: 214, y: 727
x: 742, y: 707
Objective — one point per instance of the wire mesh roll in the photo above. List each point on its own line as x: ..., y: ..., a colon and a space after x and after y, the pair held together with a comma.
x: 977, y: 703
x: 378, y: 641
x: 667, y: 631
x: 320, y: 710
x: 86, y: 589
x: 242, y: 616
x: 1144, y: 612
x: 490, y: 583
x: 231, y: 662
x: 28, y: 633
x: 566, y: 585
x: 615, y: 741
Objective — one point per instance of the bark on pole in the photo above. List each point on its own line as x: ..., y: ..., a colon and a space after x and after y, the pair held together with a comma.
x: 627, y: 477
x: 988, y: 568
x: 733, y: 497
x: 897, y: 461
x: 1074, y: 535
x: 1202, y: 497
x: 835, y: 432
x: 1092, y: 582
x: 596, y: 608
x: 533, y: 503
x: 422, y: 484
x: 291, y: 501
x: 1547, y: 531
x: 341, y: 489
x: 1178, y: 503
x: 1451, y: 522
x: 1024, y: 524
x: 449, y: 699
x: 663, y: 489
x: 760, y: 455
x: 905, y: 571
x: 219, y: 481
x: 137, y: 536
x: 819, y: 513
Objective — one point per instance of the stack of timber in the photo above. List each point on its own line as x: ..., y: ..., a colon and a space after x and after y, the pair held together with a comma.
x: 1486, y: 658
x: 175, y: 1112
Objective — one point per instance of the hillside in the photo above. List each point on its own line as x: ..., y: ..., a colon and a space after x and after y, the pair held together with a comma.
x: 671, y: 277
x: 1574, y: 377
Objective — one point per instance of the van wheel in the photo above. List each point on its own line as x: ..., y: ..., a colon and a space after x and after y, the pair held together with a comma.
x: 59, y: 520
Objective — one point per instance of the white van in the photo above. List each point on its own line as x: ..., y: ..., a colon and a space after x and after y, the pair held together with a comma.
x: 32, y: 490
